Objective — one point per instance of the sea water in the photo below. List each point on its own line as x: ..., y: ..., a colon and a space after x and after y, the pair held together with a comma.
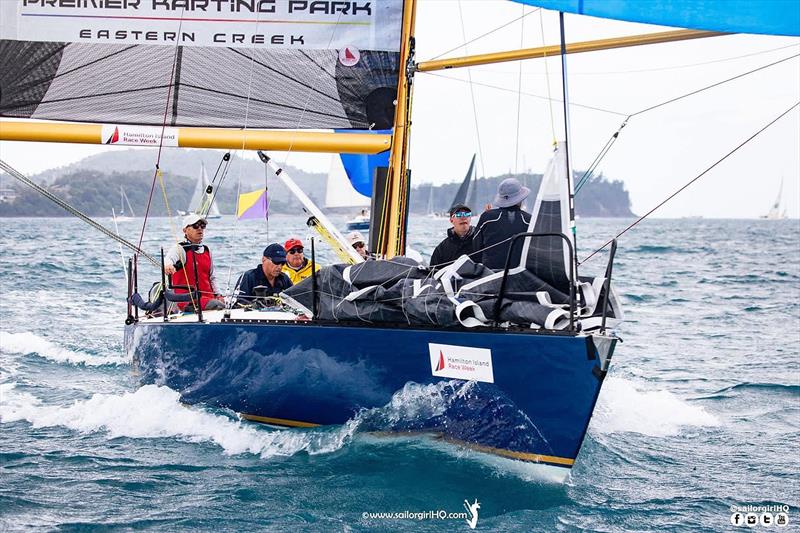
x: 700, y: 411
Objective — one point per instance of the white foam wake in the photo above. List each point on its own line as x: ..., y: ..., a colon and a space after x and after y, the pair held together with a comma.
x: 625, y: 407
x: 30, y: 344
x: 153, y: 412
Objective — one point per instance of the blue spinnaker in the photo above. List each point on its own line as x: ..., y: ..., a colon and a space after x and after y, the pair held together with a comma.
x: 360, y: 168
x: 771, y: 17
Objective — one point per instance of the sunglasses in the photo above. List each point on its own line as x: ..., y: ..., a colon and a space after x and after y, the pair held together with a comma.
x: 199, y: 225
x: 298, y: 250
x: 463, y: 214
x: 358, y: 245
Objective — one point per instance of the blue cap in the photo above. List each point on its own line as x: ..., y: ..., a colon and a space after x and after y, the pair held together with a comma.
x: 275, y: 253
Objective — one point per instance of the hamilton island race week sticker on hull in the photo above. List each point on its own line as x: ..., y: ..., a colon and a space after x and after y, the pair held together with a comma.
x: 461, y: 362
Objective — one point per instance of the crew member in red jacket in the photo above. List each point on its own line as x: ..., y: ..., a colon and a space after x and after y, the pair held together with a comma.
x: 180, y: 261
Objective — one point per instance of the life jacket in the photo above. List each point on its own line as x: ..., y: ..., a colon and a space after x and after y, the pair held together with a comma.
x: 185, y: 274
x: 301, y: 273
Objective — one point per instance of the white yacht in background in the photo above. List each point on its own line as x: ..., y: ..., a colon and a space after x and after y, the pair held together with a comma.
x: 202, y: 202
x: 775, y: 212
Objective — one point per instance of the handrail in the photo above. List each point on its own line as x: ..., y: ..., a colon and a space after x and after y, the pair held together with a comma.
x: 199, y: 302
x: 129, y: 269
x: 313, y: 280
x: 501, y: 294
x: 607, y: 284
x: 135, y: 284
x: 164, y: 285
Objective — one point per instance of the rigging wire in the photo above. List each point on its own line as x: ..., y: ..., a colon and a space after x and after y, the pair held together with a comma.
x: 158, y: 171
x: 703, y: 173
x: 509, y: 23
x: 472, y: 93
x: 308, y: 93
x: 248, y: 99
x: 547, y: 82
x: 73, y: 211
x: 604, y: 151
x: 688, y: 65
x: 540, y: 97
x: 519, y: 90
x: 714, y: 85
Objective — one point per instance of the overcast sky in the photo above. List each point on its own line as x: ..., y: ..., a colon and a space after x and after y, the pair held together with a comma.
x: 657, y: 152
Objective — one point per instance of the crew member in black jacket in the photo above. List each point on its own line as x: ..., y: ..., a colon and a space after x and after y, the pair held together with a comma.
x: 459, y: 238
x: 496, y: 226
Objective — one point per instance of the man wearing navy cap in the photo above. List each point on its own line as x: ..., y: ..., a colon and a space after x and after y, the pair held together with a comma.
x: 266, y: 279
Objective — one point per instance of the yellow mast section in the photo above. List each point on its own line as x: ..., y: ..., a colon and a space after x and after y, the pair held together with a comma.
x: 392, y: 226
x: 222, y: 138
x: 574, y: 48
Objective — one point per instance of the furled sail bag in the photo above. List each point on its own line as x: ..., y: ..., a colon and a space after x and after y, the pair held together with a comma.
x: 255, y: 63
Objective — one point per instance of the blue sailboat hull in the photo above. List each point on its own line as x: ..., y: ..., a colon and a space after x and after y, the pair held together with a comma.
x: 536, y: 409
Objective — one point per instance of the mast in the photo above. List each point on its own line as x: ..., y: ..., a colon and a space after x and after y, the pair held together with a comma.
x: 391, y: 227
x: 565, y: 99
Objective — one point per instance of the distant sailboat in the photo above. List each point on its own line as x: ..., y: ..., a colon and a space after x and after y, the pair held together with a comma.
x: 339, y: 193
x: 430, y: 212
x: 775, y: 212
x: 469, y: 187
x: 467, y: 193
x: 202, y: 201
x: 123, y: 201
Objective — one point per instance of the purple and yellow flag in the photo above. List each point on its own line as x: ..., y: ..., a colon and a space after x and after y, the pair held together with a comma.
x: 253, y: 205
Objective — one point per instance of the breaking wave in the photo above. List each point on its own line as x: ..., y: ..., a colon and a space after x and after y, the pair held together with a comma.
x: 625, y: 407
x: 30, y: 344
x: 122, y: 415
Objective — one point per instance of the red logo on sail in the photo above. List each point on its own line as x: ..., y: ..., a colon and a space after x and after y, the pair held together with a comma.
x: 349, y: 56
x: 440, y: 364
x: 114, y: 136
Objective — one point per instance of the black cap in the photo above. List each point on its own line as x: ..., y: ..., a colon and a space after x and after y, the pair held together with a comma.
x: 275, y: 253
x: 459, y: 207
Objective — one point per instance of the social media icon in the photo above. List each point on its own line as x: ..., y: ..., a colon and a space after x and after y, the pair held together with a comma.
x: 751, y: 519
x: 766, y: 519
x: 737, y: 519
x: 781, y: 519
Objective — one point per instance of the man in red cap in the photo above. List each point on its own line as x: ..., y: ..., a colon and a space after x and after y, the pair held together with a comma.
x: 297, y: 266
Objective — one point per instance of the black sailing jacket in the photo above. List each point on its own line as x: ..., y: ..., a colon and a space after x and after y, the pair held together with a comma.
x: 453, y: 247
x: 495, y: 226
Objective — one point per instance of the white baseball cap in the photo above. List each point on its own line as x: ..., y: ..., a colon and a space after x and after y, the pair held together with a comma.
x: 192, y: 218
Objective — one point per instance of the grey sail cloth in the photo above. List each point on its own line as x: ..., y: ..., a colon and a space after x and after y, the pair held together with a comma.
x: 402, y: 292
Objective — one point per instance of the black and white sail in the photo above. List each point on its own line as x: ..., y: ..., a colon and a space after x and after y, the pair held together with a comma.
x: 253, y: 63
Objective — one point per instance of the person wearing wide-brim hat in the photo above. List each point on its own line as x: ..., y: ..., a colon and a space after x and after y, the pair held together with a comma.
x: 496, y: 226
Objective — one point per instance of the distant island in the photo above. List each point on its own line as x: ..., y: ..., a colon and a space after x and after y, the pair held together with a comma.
x: 93, y: 187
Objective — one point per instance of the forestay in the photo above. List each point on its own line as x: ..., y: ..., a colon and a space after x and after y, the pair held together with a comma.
x: 221, y: 63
